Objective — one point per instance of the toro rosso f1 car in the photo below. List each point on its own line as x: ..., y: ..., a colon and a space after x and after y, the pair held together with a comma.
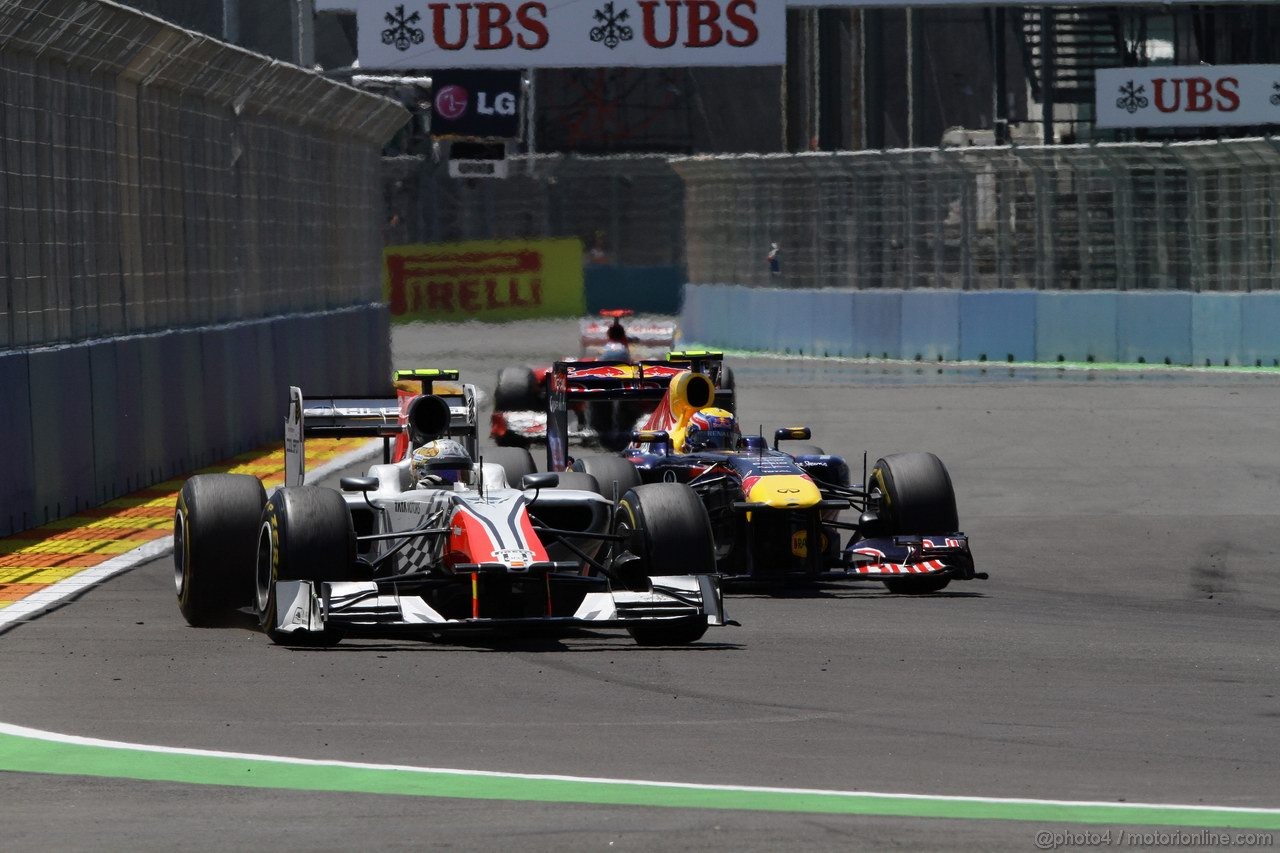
x: 437, y: 543
x: 520, y: 396
x: 775, y: 513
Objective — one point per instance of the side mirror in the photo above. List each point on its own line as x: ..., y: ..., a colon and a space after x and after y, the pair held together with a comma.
x: 650, y: 436
x: 540, y: 481
x: 872, y: 526
x: 791, y: 434
x: 359, y: 484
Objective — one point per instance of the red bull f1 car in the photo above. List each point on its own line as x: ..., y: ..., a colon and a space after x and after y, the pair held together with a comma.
x: 440, y: 541
x: 776, y: 513
x: 520, y: 397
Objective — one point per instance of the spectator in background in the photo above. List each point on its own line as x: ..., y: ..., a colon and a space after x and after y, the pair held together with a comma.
x: 596, y: 254
x: 775, y: 262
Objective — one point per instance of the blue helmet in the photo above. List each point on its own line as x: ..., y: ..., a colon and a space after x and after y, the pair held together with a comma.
x: 712, y: 429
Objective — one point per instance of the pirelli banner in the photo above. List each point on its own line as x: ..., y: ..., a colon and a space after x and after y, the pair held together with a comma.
x: 421, y: 35
x: 1188, y: 96
x: 489, y: 280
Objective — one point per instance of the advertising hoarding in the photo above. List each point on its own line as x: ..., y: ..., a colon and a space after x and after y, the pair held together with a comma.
x: 476, y: 104
x: 1188, y: 96
x: 491, y: 280
x: 416, y: 34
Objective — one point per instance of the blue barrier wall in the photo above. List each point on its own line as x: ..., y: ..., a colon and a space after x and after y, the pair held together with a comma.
x: 998, y: 326
x: 1076, y: 326
x: 17, y: 462
x: 84, y: 423
x: 1048, y: 326
x: 1259, y: 338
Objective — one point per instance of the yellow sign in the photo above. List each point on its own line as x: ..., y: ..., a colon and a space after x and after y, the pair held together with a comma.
x: 487, y: 280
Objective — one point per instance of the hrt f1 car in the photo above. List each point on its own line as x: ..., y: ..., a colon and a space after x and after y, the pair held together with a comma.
x: 777, y: 514
x: 428, y: 545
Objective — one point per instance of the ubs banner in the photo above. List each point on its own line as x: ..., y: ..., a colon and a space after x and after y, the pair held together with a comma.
x: 582, y: 34
x: 1188, y: 96
x: 489, y: 280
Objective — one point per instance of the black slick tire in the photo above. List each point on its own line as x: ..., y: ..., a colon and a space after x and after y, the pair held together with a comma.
x: 305, y: 534
x: 671, y: 534
x: 516, y: 391
x: 516, y: 461
x: 215, y: 527
x: 607, y: 470
x: 918, y: 499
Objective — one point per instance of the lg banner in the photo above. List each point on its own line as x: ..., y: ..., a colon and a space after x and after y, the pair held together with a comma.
x: 476, y: 104
x: 570, y: 33
x: 1188, y: 96
x: 487, y: 280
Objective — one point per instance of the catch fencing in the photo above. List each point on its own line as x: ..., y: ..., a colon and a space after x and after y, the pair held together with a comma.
x: 1201, y: 216
x: 627, y: 209
x: 153, y: 178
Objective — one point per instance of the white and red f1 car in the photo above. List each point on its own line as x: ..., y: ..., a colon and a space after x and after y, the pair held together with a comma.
x: 498, y: 546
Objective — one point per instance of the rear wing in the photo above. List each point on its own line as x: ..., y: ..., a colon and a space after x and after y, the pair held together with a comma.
x: 371, y: 417
x: 463, y: 414
x: 603, y: 381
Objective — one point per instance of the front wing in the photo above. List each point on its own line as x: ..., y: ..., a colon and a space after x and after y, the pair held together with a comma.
x: 373, y: 610
x: 876, y: 559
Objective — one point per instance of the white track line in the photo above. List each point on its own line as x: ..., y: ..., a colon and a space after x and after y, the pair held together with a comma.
x: 75, y: 740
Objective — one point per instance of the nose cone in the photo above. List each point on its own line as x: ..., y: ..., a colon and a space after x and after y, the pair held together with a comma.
x: 785, y: 491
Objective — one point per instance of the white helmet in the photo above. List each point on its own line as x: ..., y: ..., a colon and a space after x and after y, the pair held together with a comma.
x: 615, y: 351
x: 443, y: 461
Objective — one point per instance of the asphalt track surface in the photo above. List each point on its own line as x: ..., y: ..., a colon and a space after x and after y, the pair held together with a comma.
x: 1125, y: 649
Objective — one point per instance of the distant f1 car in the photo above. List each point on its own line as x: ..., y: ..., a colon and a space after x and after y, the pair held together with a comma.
x: 436, y: 543
x: 776, y: 514
x: 520, y: 396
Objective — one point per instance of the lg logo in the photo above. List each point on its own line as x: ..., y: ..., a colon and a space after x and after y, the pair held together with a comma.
x: 452, y: 103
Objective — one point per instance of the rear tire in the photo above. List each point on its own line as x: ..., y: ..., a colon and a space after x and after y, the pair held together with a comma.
x: 607, y: 470
x: 918, y: 499
x: 215, y: 525
x: 516, y: 461
x: 579, y: 481
x: 305, y: 534
x: 516, y: 391
x: 671, y: 534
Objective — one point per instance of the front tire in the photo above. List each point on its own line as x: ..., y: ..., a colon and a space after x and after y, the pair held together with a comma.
x: 306, y: 533
x: 215, y: 524
x: 917, y: 499
x: 916, y: 494
x: 916, y: 586
x: 671, y: 534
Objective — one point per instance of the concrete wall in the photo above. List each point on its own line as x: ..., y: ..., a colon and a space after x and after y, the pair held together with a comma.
x: 1019, y: 325
x: 84, y: 423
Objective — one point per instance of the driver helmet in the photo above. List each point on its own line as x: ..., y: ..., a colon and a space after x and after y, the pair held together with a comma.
x: 442, y: 462
x: 712, y: 429
x: 615, y: 351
